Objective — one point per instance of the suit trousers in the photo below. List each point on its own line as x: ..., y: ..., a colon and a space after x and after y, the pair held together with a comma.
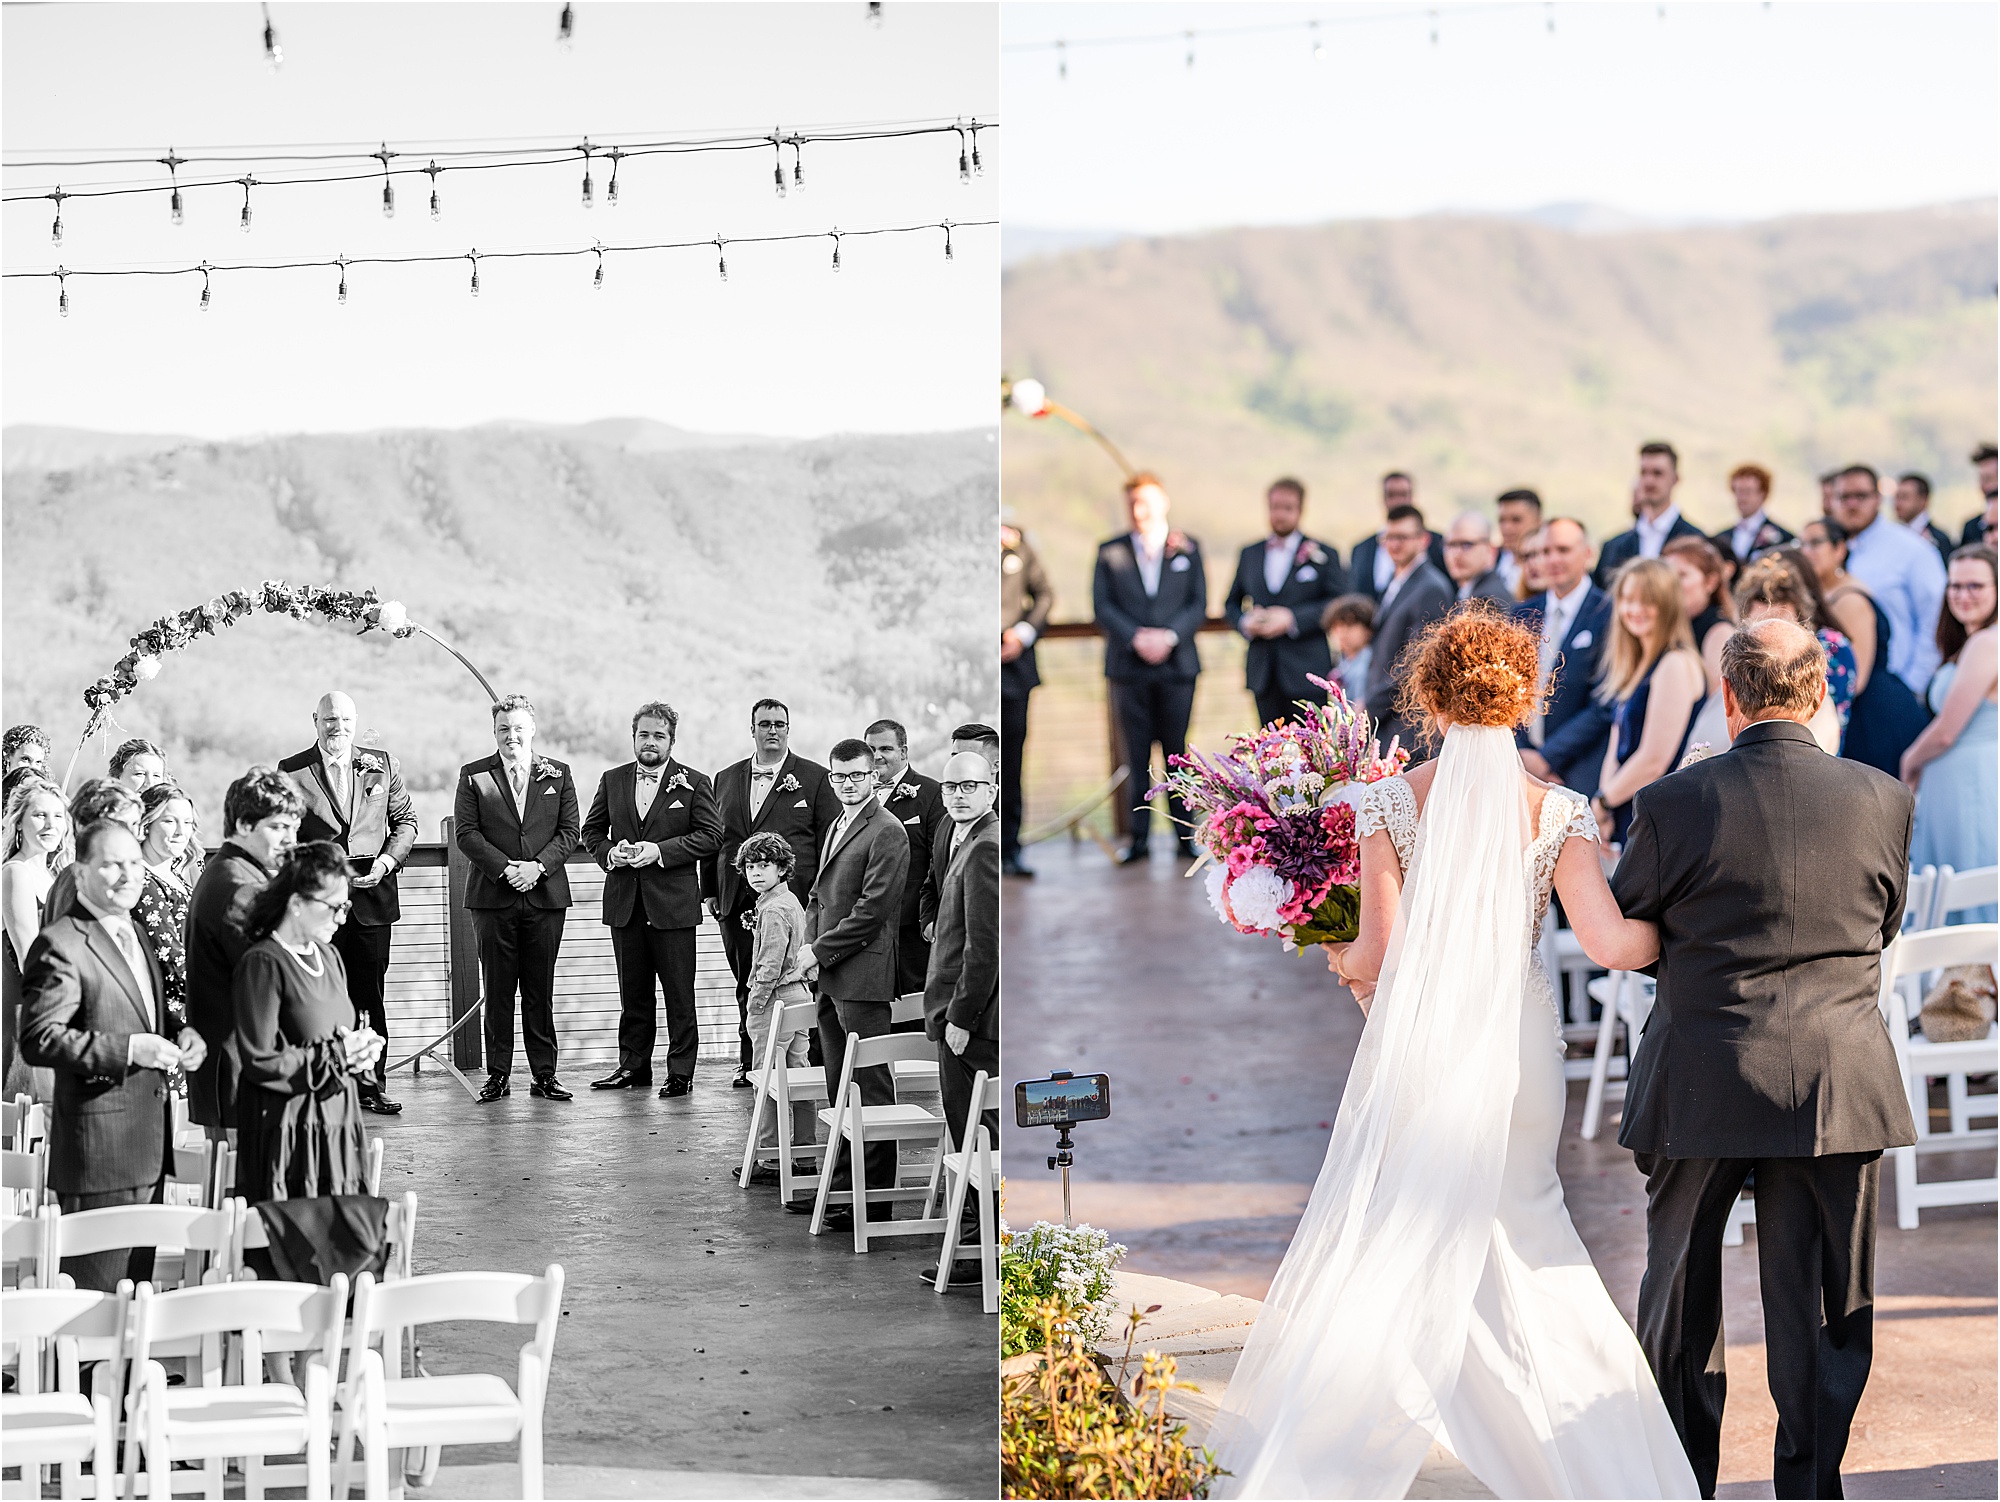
x: 738, y: 946
x: 955, y: 1080
x: 645, y: 954
x: 913, y: 963
x: 1276, y: 704
x: 517, y: 951
x: 1816, y: 1267
x: 364, y: 950
x: 1013, y: 740
x: 102, y: 1270
x: 839, y: 1021
x: 1154, y: 711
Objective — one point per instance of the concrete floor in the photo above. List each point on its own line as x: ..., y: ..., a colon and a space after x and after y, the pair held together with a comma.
x: 704, y: 1331
x: 1227, y: 1059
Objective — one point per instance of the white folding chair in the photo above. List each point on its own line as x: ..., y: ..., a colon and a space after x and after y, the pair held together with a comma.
x: 1920, y: 899
x: 25, y: 1177
x: 1570, y: 971
x: 852, y: 1126
x: 1959, y: 890
x: 912, y: 1074
x: 59, y: 1427
x: 221, y: 1175
x: 1904, y: 965
x: 973, y: 1167
x: 23, y: 1123
x: 389, y: 1412
x: 194, y: 1172
x: 22, y: 1244
x: 778, y: 1087
x: 202, y: 1238
x: 248, y: 1419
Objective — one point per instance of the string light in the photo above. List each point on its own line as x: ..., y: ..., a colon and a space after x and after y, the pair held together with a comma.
x: 836, y: 249
x: 204, y: 286
x: 173, y: 165
x: 721, y: 266
x: 1190, y: 48
x: 566, y: 26
x: 964, y: 163
x: 388, y: 188
x: 946, y: 227
x: 978, y: 168
x: 875, y: 14
x: 244, y: 222
x: 1319, y: 47
x: 1062, y: 61
x: 341, y: 262
x: 273, y: 53
x: 437, y: 209
x: 1434, y: 28
x: 597, y: 282
x: 589, y: 200
x: 473, y: 256
x: 62, y: 292
x: 798, y: 164
x: 1552, y: 17
x: 55, y: 231
x: 778, y: 160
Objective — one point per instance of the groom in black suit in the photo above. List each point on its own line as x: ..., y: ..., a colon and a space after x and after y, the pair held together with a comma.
x: 1283, y: 585
x: 651, y: 825
x: 1766, y: 1053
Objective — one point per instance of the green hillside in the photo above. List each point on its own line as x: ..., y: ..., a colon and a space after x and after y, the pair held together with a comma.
x: 850, y: 576
x: 1481, y: 354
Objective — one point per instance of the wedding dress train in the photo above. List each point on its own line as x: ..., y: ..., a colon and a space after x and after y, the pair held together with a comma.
x: 1436, y: 1287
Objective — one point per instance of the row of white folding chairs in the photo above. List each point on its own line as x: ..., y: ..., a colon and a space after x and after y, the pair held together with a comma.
x: 377, y: 1406
x: 1908, y: 965
x: 1936, y: 892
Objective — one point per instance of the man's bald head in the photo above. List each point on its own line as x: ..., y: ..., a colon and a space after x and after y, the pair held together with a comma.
x: 969, y: 789
x: 1772, y: 669
x: 334, y: 719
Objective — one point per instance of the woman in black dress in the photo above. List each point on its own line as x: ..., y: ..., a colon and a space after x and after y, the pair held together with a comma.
x: 298, y: 1112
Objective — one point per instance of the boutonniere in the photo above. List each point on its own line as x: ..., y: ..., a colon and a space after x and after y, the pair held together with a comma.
x: 904, y: 790
x: 1767, y: 536
x: 545, y: 770
x: 679, y: 780
x: 789, y: 783
x: 1309, y: 552
x: 1177, y: 543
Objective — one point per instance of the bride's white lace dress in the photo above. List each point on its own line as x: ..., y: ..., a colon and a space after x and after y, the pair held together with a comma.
x: 1436, y: 1287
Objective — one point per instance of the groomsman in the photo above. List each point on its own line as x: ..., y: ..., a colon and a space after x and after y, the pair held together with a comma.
x: 1754, y: 534
x: 1371, y: 568
x: 771, y: 790
x: 354, y: 797
x: 1656, y: 516
x: 1473, y: 563
x: 1418, y: 594
x: 1150, y: 596
x: 517, y: 823
x: 851, y: 921
x: 918, y: 806
x: 651, y: 825
x: 1283, y: 585
x: 1565, y: 743
x: 1025, y: 603
x: 1519, y: 513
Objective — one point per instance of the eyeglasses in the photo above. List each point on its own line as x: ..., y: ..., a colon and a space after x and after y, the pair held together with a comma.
x: 850, y: 778
x: 1460, y: 546
x: 1968, y: 586
x: 964, y: 789
x: 770, y: 724
x: 338, y: 909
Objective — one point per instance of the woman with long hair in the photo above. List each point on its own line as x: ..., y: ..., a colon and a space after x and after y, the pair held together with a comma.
x: 1955, y: 763
x: 1711, y: 610
x: 166, y: 829
x: 1781, y: 584
x: 1437, y: 1283
x: 38, y: 845
x: 1654, y: 681
x: 1885, y: 716
x: 298, y: 1108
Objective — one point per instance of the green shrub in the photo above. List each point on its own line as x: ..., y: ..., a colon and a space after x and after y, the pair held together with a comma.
x: 1072, y: 1264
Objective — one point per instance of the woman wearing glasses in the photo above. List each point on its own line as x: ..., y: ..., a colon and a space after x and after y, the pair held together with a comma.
x: 298, y: 1108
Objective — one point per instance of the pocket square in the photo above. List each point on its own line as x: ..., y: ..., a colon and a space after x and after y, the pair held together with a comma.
x: 914, y: 819
x: 1582, y: 640
x: 1308, y: 572
x: 677, y: 804
x: 1181, y: 565
x: 548, y: 792
x: 801, y: 804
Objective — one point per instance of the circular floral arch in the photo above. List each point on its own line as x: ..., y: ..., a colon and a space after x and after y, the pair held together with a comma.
x: 302, y: 602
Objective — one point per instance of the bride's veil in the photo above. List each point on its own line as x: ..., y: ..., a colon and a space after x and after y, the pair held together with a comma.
x: 1339, y: 1388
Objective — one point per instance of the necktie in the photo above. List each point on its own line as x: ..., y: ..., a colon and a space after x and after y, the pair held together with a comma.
x: 337, y: 773
x: 128, y: 945
x: 1552, y: 635
x: 520, y: 782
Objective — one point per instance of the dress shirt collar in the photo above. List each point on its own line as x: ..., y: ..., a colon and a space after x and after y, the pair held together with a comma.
x: 1147, y: 547
x: 1653, y: 534
x: 1745, y: 531
x: 1921, y: 524
x: 1288, y: 544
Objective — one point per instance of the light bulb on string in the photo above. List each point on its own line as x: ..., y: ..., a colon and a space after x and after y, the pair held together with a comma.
x: 1062, y: 61
x: 273, y: 53
x: 597, y: 282
x: 589, y: 197
x: 946, y: 227
x: 1552, y: 17
x: 1319, y: 45
x: 566, y: 27
x: 1190, y: 48
x: 204, y: 286
x: 978, y: 168
x: 62, y: 292
x: 1434, y: 28
x: 875, y: 14
x: 836, y: 249
x: 473, y: 256
x: 778, y: 161
x: 611, y: 188
x: 721, y: 265
x: 437, y: 209
x: 248, y: 183
x: 964, y: 162
x: 341, y: 293
x: 55, y: 230
x: 798, y: 146
x: 173, y: 165
x: 388, y: 188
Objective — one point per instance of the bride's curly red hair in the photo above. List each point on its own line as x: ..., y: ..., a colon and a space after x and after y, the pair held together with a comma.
x: 1473, y: 667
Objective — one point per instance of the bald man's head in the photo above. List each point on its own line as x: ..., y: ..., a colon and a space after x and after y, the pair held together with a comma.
x: 969, y: 789
x: 1773, y: 669
x: 334, y: 719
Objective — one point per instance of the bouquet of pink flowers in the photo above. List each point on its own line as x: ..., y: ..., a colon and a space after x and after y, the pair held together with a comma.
x: 1274, y: 817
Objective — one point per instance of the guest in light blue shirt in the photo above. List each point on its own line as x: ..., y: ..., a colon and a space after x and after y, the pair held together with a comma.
x: 1902, y: 571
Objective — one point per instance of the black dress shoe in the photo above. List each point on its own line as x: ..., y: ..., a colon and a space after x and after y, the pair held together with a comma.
x: 622, y: 1078
x: 1012, y: 866
x: 764, y: 1173
x: 496, y: 1086
x: 677, y: 1085
x: 838, y: 1217
x: 548, y: 1087
x: 380, y: 1104
x: 741, y: 1080
x: 1133, y: 855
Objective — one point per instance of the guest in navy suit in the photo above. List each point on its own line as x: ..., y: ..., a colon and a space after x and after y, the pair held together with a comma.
x: 1657, y: 520
x: 1565, y: 743
x: 1150, y: 596
x: 651, y: 825
x: 1371, y: 569
x: 1283, y: 585
x: 517, y: 823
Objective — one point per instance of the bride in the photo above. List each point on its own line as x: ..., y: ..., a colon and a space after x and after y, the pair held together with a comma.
x: 1436, y: 1288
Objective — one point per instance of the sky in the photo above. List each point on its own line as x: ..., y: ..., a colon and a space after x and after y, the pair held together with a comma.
x: 1687, y: 111
x: 900, y: 340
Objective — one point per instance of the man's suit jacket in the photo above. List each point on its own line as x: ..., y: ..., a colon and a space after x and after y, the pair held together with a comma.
x: 217, y: 910
x: 1425, y: 596
x: 1361, y: 566
x: 1974, y: 533
x: 1577, y: 725
x: 1024, y: 596
x: 683, y: 822
x: 1769, y: 536
x: 1623, y: 548
x: 80, y: 1007
x: 1777, y: 874
x: 1122, y: 606
x: 491, y: 831
x: 921, y: 813
x: 856, y: 908
x: 1491, y: 585
x: 802, y: 813
x: 933, y: 883
x: 963, y: 984
x: 379, y: 820
x: 1279, y: 664
x: 1941, y: 540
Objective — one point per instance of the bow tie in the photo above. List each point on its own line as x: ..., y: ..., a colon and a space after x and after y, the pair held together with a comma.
x: 652, y: 776
x: 763, y: 774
